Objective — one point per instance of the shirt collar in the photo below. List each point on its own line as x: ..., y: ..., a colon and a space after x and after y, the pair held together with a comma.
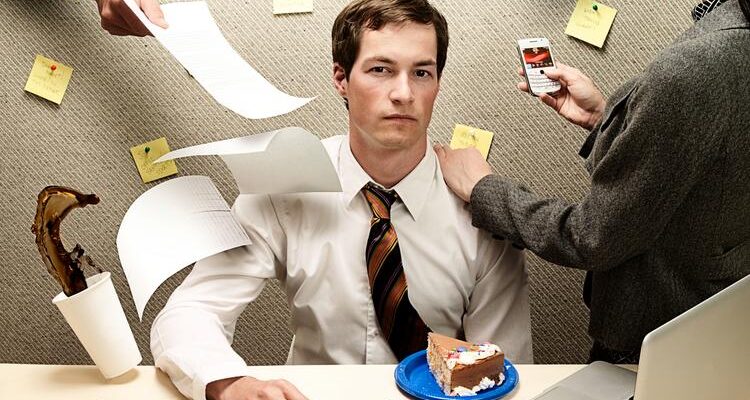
x: 413, y: 189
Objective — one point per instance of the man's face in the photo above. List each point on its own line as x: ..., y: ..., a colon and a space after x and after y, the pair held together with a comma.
x: 392, y: 87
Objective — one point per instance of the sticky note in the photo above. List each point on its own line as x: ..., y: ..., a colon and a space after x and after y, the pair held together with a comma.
x: 466, y: 136
x: 144, y: 156
x: 48, y: 79
x: 591, y: 22
x: 292, y: 6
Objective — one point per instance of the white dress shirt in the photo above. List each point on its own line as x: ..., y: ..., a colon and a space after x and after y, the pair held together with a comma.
x: 460, y: 279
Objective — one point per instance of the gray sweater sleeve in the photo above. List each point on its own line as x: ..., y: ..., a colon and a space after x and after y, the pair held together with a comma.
x: 644, y: 168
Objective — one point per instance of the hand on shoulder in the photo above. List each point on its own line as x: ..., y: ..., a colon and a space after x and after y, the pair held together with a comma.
x: 462, y: 169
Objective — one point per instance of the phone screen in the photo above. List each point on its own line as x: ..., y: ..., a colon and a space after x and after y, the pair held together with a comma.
x: 537, y: 57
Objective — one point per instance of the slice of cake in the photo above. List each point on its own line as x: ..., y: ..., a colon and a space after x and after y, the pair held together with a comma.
x: 463, y: 368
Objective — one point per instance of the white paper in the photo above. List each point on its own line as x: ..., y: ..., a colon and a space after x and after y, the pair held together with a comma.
x: 171, y: 226
x: 288, y: 160
x: 197, y: 43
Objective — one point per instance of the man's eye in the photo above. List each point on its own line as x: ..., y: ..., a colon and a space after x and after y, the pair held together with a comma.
x: 378, y: 70
x: 422, y: 73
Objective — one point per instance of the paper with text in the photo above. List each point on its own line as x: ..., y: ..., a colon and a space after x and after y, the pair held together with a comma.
x: 467, y: 136
x: 292, y: 6
x: 287, y: 160
x: 144, y: 156
x: 171, y: 226
x: 591, y: 22
x: 196, y: 42
x: 48, y: 79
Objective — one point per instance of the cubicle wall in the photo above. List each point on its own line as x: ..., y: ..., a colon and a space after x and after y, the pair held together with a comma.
x: 126, y: 91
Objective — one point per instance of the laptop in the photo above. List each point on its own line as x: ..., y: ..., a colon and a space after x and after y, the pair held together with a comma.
x: 702, y: 354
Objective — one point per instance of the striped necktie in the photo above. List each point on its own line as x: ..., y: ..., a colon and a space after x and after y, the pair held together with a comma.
x: 400, y: 323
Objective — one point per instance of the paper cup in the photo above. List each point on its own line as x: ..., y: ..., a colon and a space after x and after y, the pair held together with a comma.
x: 97, y: 318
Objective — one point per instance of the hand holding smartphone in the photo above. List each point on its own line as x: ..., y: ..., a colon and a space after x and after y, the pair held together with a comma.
x: 536, y: 56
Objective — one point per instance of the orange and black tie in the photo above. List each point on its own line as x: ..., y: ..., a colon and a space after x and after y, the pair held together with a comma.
x: 400, y: 323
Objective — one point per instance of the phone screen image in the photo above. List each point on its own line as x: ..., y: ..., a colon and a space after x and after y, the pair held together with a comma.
x: 537, y: 57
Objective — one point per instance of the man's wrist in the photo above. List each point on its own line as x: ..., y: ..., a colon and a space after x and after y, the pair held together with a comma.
x: 215, y: 389
x: 596, y: 116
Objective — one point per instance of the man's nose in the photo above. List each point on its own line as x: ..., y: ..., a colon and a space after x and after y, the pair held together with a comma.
x: 401, y: 91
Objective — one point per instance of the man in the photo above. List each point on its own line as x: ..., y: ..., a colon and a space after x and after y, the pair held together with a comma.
x: 117, y: 18
x: 666, y: 223
x: 367, y: 271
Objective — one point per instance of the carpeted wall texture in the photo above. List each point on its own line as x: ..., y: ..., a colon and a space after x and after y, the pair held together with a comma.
x: 126, y: 91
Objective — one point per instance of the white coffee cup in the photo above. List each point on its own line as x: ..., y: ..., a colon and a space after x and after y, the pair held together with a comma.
x: 97, y: 318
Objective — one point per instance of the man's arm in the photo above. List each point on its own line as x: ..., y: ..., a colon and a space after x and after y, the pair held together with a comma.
x: 118, y: 19
x: 657, y: 153
x: 498, y: 310
x: 191, y: 337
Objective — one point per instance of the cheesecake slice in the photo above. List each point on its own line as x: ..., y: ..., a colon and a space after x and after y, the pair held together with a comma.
x: 462, y: 368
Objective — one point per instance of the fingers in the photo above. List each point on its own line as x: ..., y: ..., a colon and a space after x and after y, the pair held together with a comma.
x: 129, y: 20
x: 118, y: 19
x: 548, y: 100
x: 523, y: 86
x: 289, y: 390
x: 154, y: 13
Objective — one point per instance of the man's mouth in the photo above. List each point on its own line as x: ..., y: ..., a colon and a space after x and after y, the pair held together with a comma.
x: 400, y: 117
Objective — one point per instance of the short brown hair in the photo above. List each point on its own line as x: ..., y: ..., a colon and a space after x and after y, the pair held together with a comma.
x: 375, y: 14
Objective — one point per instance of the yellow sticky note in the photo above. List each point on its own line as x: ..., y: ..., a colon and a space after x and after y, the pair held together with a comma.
x: 292, y: 6
x: 48, y: 79
x: 591, y: 22
x: 144, y: 156
x: 466, y: 136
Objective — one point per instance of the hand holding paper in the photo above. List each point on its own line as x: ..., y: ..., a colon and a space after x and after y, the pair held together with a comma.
x: 118, y: 19
x: 197, y: 43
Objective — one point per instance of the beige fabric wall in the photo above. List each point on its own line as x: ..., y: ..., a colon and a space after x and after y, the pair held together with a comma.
x: 126, y: 91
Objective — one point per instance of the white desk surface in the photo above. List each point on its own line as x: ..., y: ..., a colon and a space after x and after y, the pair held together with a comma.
x: 317, y: 382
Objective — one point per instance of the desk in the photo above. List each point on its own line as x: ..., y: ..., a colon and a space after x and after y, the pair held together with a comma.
x: 361, y: 382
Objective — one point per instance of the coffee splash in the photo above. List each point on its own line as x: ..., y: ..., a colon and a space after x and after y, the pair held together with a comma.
x: 53, y: 205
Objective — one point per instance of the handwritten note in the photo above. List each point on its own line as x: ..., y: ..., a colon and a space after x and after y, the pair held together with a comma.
x: 145, y: 156
x: 48, y: 79
x: 591, y: 22
x: 292, y: 6
x: 467, y: 136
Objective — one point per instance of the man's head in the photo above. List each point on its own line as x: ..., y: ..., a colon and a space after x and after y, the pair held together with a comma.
x: 361, y: 15
x: 388, y: 58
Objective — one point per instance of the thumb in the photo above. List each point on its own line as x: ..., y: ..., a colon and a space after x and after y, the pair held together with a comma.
x: 154, y: 13
x: 439, y: 150
x: 554, y: 73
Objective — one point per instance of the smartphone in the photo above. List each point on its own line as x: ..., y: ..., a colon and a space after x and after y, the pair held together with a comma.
x: 536, y: 56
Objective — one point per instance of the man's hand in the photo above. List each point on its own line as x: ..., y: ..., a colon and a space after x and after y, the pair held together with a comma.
x: 462, y: 169
x: 118, y: 19
x: 249, y: 388
x: 579, y: 101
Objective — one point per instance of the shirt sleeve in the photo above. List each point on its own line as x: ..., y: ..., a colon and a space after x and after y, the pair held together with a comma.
x: 191, y: 337
x: 498, y: 310
x: 655, y: 158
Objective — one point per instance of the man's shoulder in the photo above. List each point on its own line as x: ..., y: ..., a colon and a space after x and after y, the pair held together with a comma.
x: 332, y: 144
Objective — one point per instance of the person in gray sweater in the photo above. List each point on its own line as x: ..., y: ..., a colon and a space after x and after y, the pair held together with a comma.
x: 666, y: 223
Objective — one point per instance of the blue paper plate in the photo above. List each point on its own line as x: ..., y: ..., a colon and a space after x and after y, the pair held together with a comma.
x: 413, y: 376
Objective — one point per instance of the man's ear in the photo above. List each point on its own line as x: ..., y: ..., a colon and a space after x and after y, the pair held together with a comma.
x: 339, y: 79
